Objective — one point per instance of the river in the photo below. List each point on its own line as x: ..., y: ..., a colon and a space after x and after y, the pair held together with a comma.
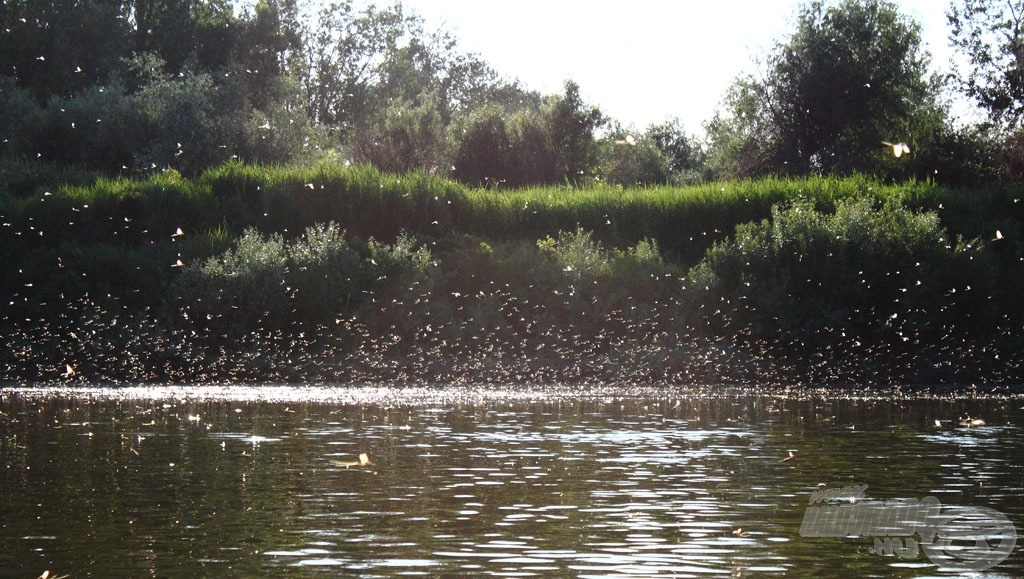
x: 242, y: 481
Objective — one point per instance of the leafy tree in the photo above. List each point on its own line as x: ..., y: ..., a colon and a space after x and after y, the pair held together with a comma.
x: 407, y: 136
x: 572, y: 124
x: 851, y: 75
x: 681, y: 153
x: 196, y: 35
x: 269, y: 46
x: 633, y: 163
x: 61, y: 47
x: 531, y: 150
x: 360, y: 66
x: 484, y: 154
x: 343, y: 60
x: 741, y: 143
x: 990, y: 34
x: 433, y: 63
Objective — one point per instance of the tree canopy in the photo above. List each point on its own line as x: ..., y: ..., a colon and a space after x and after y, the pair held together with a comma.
x: 990, y: 34
x: 125, y: 85
x: 852, y: 74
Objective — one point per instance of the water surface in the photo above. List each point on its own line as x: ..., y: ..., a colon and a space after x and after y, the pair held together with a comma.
x: 543, y: 481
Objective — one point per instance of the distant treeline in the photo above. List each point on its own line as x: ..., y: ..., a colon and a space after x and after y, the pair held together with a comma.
x: 131, y: 88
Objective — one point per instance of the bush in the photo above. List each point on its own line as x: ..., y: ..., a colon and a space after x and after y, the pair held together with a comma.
x: 866, y: 273
x: 577, y: 253
x: 635, y: 166
x: 97, y: 129
x: 484, y: 155
x: 241, y: 290
x: 268, y: 284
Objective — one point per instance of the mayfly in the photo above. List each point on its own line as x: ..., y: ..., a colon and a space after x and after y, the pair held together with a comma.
x: 364, y: 460
x: 898, y: 149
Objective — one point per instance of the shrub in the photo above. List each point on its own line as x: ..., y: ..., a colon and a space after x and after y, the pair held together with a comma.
x: 631, y: 166
x: 97, y: 128
x: 484, y: 155
x: 241, y: 290
x: 882, y: 274
x: 266, y: 283
x: 577, y: 253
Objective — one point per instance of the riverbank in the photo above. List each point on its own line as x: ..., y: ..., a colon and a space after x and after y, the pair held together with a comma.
x: 332, y: 273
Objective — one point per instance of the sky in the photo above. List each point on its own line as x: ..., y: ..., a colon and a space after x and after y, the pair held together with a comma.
x: 640, y: 61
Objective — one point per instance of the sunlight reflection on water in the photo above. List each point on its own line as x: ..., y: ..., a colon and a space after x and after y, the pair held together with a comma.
x: 498, y: 481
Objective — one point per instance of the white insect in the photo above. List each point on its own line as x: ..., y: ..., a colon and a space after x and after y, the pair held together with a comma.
x: 629, y: 140
x: 898, y: 149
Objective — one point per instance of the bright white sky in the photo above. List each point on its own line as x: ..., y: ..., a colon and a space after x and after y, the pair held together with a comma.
x: 640, y: 61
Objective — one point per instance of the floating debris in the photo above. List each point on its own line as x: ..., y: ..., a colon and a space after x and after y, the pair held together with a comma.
x: 364, y: 460
x: 967, y: 422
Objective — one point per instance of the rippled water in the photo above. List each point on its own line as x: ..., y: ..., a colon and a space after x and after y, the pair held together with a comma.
x: 239, y: 482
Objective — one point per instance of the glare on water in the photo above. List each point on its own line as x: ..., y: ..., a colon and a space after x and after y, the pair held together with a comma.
x: 539, y: 481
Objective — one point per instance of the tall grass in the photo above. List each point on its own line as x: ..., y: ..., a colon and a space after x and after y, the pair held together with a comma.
x: 685, y: 221
x: 361, y: 199
x: 583, y: 279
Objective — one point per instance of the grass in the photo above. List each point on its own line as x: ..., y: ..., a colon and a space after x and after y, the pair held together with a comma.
x: 685, y: 221
x: 538, y: 283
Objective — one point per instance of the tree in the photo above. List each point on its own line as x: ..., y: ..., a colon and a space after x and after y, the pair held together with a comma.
x: 268, y: 47
x: 407, y: 136
x: 851, y: 75
x: 990, y: 34
x: 572, y: 124
x: 633, y: 163
x: 484, y: 155
x: 61, y: 47
x: 344, y: 60
x: 193, y: 35
x: 532, y: 153
x: 681, y: 154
